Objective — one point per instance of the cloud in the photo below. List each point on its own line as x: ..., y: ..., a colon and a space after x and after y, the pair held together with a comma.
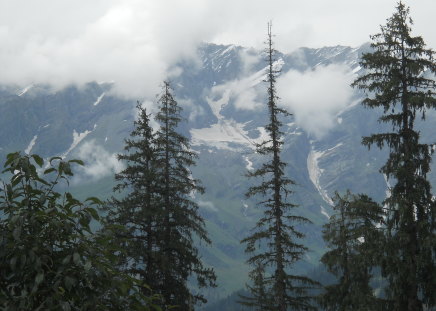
x: 194, y: 110
x: 241, y: 91
x: 134, y: 43
x: 316, y: 96
x: 207, y: 205
x: 249, y: 58
x: 137, y: 43
x: 99, y: 162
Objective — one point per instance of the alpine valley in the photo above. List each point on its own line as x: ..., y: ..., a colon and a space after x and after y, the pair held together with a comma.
x: 90, y: 123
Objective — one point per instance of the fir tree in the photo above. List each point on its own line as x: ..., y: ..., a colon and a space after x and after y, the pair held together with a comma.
x: 355, y: 241
x: 138, y: 212
x: 158, y: 214
x: 273, y: 244
x: 259, y: 298
x: 181, y: 221
x: 397, y: 75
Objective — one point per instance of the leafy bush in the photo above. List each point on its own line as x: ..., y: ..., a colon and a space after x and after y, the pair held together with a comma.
x: 50, y: 258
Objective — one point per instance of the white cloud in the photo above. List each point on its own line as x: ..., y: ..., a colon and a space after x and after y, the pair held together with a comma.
x: 194, y: 110
x: 99, y: 162
x: 136, y: 42
x: 250, y: 58
x: 207, y: 205
x: 242, y: 91
x: 316, y: 96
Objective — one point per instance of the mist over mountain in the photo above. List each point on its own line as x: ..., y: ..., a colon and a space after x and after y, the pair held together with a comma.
x: 223, y: 97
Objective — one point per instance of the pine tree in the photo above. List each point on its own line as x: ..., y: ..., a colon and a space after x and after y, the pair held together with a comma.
x: 158, y: 214
x: 355, y: 240
x: 398, y: 74
x: 138, y: 212
x: 259, y: 298
x: 181, y: 221
x: 273, y: 244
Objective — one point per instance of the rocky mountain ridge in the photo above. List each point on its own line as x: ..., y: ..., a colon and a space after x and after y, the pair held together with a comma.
x: 223, y: 100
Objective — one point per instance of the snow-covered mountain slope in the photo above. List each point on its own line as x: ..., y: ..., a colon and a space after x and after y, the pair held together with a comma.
x: 224, y: 102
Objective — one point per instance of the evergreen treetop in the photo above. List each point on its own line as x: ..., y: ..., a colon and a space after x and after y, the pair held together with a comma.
x: 159, y: 213
x: 274, y: 245
x: 398, y: 79
x: 181, y: 220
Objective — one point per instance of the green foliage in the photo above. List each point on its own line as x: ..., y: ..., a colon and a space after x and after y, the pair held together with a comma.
x: 397, y: 75
x: 160, y: 217
x: 137, y: 213
x: 259, y: 298
x: 49, y: 257
x: 181, y: 221
x: 355, y: 242
x: 273, y: 245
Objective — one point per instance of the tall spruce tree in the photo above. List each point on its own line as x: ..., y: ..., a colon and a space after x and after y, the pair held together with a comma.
x: 355, y: 240
x: 159, y: 215
x: 138, y: 211
x: 273, y: 245
x: 181, y: 221
x: 398, y: 80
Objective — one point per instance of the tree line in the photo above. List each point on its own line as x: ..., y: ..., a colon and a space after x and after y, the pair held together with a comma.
x: 143, y: 254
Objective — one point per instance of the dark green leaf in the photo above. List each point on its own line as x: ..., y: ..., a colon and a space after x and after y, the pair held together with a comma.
x: 38, y: 160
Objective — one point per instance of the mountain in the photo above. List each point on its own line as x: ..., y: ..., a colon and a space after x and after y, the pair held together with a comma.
x: 222, y: 97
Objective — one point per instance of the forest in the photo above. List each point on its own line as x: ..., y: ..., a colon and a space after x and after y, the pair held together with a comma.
x: 139, y: 249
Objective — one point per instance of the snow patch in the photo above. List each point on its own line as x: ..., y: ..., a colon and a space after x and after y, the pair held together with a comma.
x: 31, y: 144
x: 388, y: 186
x: 24, y: 91
x: 324, y: 212
x: 228, y: 49
x: 77, y: 138
x: 99, y: 99
x: 355, y: 70
x: 249, y: 165
x: 315, y: 171
x: 225, y: 132
x: 244, y: 212
x: 340, y: 120
x: 222, y: 134
x: 295, y: 133
x: 350, y: 106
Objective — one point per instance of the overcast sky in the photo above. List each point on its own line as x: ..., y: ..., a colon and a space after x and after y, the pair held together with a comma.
x: 135, y: 41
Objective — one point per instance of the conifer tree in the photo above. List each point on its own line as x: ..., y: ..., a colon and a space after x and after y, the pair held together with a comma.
x: 274, y: 245
x: 159, y: 215
x: 259, y: 298
x: 398, y: 71
x: 138, y: 211
x: 181, y: 222
x: 355, y: 242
